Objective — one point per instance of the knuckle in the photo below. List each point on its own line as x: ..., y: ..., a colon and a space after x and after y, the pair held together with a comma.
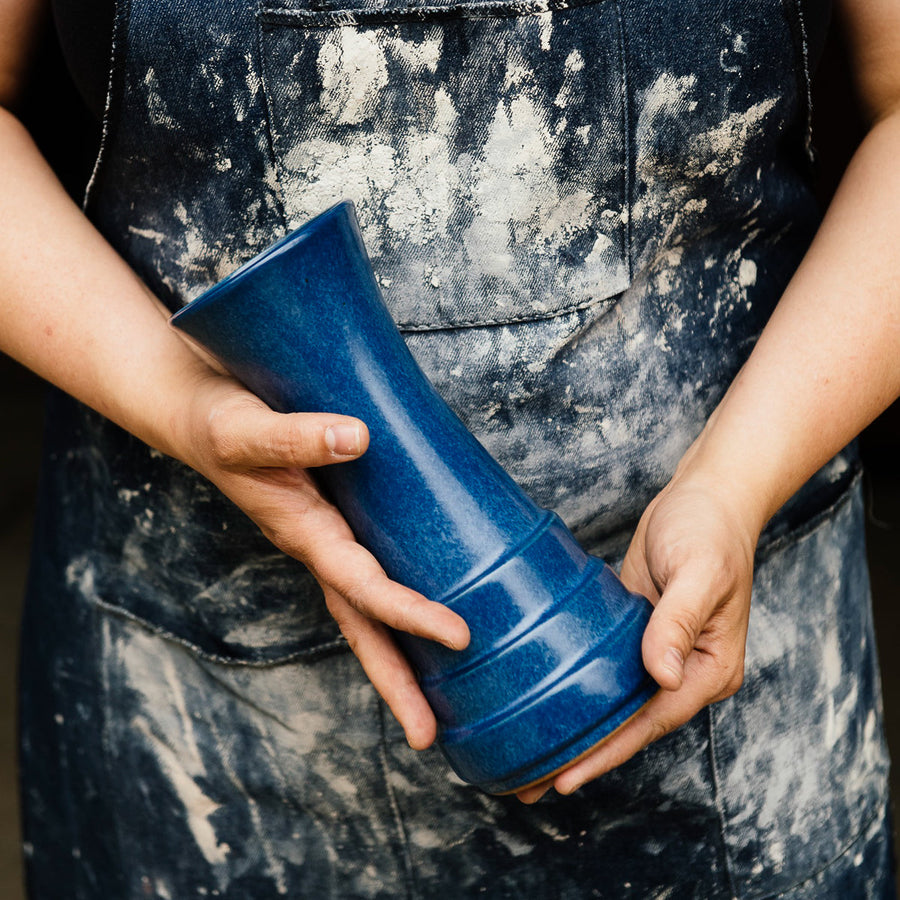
x: 351, y: 634
x: 405, y: 613
x: 688, y: 623
x: 733, y: 684
x: 294, y: 442
x: 224, y: 443
x: 358, y: 584
x: 285, y: 539
x: 725, y: 580
x: 659, y: 728
x: 715, y: 572
x: 726, y: 679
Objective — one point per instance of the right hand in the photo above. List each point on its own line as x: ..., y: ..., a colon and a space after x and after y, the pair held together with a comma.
x: 260, y: 459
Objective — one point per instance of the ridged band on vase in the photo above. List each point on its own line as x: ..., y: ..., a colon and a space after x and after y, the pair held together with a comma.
x: 554, y: 664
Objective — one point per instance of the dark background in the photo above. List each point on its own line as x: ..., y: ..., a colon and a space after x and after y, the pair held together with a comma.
x: 62, y: 126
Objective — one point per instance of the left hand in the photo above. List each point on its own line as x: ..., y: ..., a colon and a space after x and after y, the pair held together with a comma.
x: 692, y: 556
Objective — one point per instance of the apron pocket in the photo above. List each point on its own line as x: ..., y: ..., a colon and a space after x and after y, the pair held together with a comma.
x: 144, y: 537
x: 484, y: 145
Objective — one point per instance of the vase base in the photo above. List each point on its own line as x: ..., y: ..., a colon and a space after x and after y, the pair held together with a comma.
x: 546, y: 779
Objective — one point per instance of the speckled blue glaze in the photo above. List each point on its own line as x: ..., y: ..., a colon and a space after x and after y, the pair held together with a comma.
x: 554, y: 664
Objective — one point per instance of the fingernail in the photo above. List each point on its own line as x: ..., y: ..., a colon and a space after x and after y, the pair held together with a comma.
x: 459, y: 641
x: 674, y: 662
x: 343, y: 440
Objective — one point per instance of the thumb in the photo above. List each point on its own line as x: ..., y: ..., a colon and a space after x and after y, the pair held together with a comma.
x: 673, y: 630
x: 249, y: 434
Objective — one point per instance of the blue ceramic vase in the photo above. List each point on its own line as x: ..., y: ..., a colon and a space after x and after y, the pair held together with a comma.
x: 554, y: 663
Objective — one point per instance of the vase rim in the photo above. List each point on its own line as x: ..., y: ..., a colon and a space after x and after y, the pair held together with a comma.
x: 342, y: 207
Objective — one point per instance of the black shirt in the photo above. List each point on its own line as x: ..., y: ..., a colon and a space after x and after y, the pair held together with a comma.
x: 85, y: 30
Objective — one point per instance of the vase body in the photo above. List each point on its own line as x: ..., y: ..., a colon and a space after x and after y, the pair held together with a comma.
x: 554, y: 663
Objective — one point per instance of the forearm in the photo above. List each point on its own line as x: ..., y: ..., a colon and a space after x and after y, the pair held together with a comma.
x: 76, y: 314
x: 829, y: 360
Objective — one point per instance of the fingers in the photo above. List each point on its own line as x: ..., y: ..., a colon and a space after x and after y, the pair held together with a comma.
x: 259, y: 458
x: 261, y: 461
x: 702, y: 606
x: 694, y: 648
x: 245, y: 433
x: 664, y: 713
x: 673, y: 630
x: 388, y: 670
x: 710, y: 673
x: 680, y: 613
x: 295, y: 517
x: 354, y: 574
x: 634, y: 572
x: 534, y: 793
x: 692, y: 557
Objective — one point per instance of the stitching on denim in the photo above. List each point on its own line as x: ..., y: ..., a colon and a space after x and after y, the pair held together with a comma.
x: 806, y: 528
x: 121, y: 18
x: 270, y: 118
x: 508, y: 320
x: 225, y: 688
x: 807, y: 78
x: 319, y: 18
x: 796, y: 22
x: 412, y: 891
x: 720, y: 813
x: 316, y: 651
x: 268, y: 16
x: 277, y: 865
x: 784, y: 892
x: 105, y: 736
x: 627, y: 178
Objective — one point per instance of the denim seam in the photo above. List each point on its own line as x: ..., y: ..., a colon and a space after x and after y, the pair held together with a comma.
x: 337, y: 645
x: 277, y: 873
x: 270, y: 118
x: 824, y: 868
x: 118, y: 47
x: 627, y: 178
x: 720, y: 813
x: 230, y: 691
x: 796, y: 22
x: 805, y: 529
x: 412, y: 892
x: 339, y: 18
x: 807, y: 77
x: 510, y: 320
x: 105, y: 739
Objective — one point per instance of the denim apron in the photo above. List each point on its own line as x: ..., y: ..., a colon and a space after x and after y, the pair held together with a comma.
x: 582, y: 213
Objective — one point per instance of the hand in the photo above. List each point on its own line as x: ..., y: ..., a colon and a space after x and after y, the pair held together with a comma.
x: 692, y: 556
x: 259, y: 459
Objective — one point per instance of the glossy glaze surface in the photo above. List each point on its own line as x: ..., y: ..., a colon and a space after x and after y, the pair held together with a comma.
x: 554, y: 663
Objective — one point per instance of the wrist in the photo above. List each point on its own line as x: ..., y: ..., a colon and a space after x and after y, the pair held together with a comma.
x: 190, y: 428
x: 739, y: 480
